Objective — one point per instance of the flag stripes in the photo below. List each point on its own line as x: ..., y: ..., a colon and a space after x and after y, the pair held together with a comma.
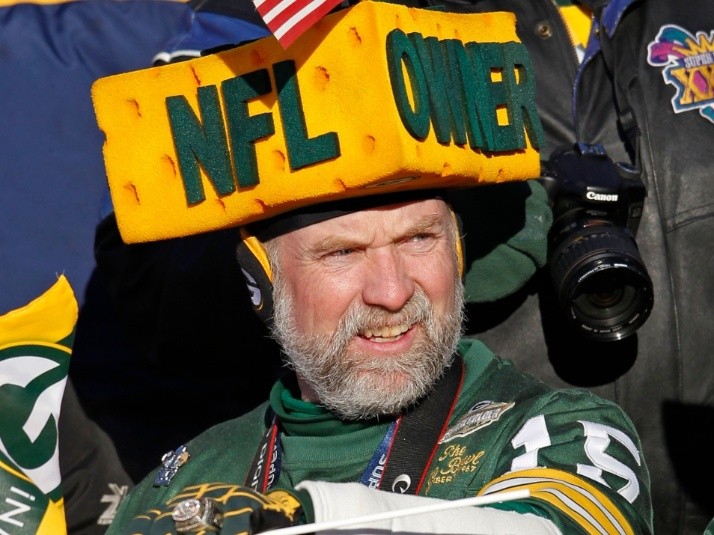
x: 288, y: 19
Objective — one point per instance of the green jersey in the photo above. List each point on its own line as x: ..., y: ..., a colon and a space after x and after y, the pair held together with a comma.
x: 577, y: 454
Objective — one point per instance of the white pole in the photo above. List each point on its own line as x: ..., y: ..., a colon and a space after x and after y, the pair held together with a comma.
x: 431, y: 508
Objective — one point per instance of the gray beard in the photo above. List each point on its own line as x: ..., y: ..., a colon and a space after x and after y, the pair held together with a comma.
x: 355, y: 387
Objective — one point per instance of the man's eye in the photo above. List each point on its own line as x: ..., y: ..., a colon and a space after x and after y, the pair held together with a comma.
x: 422, y: 237
x: 340, y: 252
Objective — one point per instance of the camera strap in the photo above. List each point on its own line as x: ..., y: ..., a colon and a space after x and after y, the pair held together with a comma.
x: 608, y: 13
x: 418, y: 433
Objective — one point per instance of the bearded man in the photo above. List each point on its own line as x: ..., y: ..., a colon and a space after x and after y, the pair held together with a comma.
x: 368, y: 309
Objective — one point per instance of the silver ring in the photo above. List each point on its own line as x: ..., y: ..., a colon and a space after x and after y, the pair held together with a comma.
x: 194, y: 515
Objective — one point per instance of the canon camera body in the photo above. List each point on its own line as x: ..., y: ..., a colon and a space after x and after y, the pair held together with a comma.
x: 600, y: 280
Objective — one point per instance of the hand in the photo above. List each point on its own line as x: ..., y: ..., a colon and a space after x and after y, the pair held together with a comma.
x: 221, y: 508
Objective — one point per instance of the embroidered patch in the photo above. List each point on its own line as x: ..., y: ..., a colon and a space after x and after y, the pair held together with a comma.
x: 479, y: 416
x: 454, y: 461
x: 687, y: 61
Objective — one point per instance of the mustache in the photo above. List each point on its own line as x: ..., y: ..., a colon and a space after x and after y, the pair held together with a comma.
x: 360, y: 318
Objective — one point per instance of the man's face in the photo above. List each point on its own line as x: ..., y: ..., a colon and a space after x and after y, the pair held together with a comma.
x: 368, y: 306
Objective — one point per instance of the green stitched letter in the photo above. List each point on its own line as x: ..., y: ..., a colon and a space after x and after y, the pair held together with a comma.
x: 489, y: 57
x: 302, y: 151
x: 401, y: 51
x: 523, y: 93
x: 200, y: 143
x: 243, y: 128
x: 507, y: 94
x: 444, y: 88
x: 475, y: 83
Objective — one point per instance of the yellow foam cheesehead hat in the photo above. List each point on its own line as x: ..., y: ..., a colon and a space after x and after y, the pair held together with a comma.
x: 375, y: 98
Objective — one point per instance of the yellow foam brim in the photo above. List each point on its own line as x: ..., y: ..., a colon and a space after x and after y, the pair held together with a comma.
x: 350, y: 109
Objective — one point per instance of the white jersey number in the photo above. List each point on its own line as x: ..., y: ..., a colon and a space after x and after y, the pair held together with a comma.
x: 534, y: 435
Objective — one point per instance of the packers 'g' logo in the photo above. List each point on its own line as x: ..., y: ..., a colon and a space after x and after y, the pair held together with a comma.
x: 32, y: 381
x: 256, y: 296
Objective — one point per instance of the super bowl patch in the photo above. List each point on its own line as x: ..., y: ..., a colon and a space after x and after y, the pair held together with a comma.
x: 687, y: 61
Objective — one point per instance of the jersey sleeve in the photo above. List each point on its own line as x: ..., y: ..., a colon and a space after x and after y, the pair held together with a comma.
x: 580, y: 458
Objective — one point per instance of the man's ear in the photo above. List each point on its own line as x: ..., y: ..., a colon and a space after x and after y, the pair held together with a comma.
x: 460, y: 244
x: 255, y: 266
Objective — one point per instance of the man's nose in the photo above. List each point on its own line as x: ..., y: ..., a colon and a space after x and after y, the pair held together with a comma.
x: 388, y: 282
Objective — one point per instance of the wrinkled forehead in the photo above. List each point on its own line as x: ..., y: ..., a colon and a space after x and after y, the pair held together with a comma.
x: 314, y: 215
x: 378, y: 224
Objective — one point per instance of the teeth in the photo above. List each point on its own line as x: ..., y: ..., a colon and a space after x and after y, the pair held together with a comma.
x: 385, y: 332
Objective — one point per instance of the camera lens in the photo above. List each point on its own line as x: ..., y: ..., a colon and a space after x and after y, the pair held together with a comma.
x: 601, y: 281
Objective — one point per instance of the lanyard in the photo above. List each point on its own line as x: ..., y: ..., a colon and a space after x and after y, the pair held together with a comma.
x: 401, y: 461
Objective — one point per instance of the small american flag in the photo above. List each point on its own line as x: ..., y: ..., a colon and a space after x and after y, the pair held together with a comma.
x: 288, y: 19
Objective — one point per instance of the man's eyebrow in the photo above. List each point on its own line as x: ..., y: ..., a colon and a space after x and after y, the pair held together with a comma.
x: 332, y: 243
x: 426, y: 223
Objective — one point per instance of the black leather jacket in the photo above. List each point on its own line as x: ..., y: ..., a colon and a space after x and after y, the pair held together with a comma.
x: 663, y: 375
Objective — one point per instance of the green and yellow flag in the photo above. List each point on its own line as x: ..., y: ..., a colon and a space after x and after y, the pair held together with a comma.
x: 35, y: 346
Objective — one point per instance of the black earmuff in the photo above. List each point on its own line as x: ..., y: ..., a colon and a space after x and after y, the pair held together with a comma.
x: 255, y: 266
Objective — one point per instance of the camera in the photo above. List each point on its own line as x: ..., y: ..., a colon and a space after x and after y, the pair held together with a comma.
x: 600, y: 280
